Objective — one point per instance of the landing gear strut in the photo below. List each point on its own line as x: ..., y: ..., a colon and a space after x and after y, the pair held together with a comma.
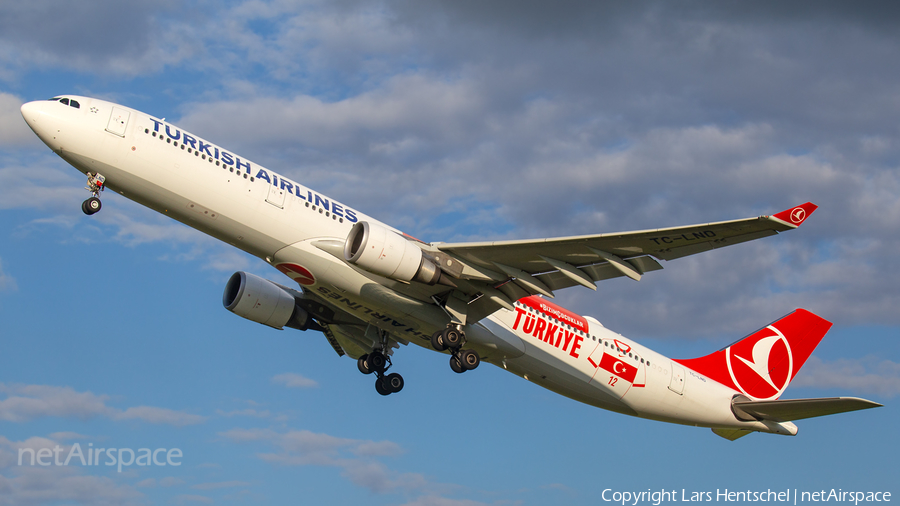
x: 453, y: 339
x: 95, y: 186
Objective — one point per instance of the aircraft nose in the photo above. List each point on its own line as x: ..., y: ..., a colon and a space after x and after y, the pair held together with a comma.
x: 39, y: 121
x: 31, y: 111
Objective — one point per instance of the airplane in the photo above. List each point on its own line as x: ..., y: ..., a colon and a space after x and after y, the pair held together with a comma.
x: 370, y: 288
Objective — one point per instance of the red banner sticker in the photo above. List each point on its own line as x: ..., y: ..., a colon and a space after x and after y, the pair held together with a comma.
x: 616, y: 366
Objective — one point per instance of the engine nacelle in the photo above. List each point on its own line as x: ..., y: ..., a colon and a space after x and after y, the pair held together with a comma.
x: 382, y: 251
x: 262, y: 301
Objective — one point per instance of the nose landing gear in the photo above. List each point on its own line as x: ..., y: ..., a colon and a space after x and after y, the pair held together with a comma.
x: 95, y: 182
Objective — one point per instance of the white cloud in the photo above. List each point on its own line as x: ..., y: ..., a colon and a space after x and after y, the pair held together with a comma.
x: 67, y: 436
x: 355, y: 458
x: 157, y: 415
x: 221, y: 484
x: 62, y: 484
x: 192, y: 498
x: 170, y: 481
x: 28, y: 402
x: 13, y: 129
x: 245, y: 412
x: 55, y: 484
x: 432, y: 500
x: 867, y: 375
x: 294, y: 380
x: 500, y: 134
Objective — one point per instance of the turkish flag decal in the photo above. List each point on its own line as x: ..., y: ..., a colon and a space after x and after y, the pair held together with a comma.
x: 616, y: 366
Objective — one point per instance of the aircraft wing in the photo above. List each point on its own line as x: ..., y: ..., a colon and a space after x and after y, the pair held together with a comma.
x: 797, y: 409
x: 540, y: 266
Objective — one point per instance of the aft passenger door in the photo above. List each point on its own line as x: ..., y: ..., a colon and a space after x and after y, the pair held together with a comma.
x: 677, y: 383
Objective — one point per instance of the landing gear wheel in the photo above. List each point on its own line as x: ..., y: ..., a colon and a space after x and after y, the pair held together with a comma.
x: 437, y: 341
x: 380, y: 387
x: 452, y: 338
x: 376, y: 361
x: 456, y: 365
x: 393, y: 382
x: 469, y: 359
x: 363, y: 365
x: 91, y: 206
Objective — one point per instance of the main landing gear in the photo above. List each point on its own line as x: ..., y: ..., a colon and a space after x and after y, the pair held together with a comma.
x: 95, y: 186
x: 453, y: 339
x: 378, y: 363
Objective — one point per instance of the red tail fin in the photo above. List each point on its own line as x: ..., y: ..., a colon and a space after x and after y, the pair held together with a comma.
x: 762, y: 364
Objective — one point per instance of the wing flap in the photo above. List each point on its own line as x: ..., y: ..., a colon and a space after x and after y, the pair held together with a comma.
x: 731, y: 434
x: 797, y: 409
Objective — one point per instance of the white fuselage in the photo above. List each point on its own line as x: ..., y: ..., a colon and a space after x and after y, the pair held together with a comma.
x: 281, y: 221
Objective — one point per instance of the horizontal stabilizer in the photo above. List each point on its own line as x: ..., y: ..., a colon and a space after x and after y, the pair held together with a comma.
x: 798, y: 409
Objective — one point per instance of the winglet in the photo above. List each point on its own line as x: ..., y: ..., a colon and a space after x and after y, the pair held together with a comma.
x: 795, y: 216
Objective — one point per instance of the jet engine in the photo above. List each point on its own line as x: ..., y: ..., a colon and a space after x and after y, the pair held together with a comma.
x: 384, y: 252
x: 262, y: 301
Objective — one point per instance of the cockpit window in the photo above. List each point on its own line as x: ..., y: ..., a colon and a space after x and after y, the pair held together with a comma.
x: 66, y: 101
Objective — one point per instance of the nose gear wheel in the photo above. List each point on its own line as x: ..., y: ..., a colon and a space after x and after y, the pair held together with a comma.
x: 95, y: 185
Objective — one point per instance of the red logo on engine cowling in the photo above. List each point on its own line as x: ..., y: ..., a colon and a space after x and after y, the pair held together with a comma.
x: 298, y: 273
x: 761, y: 367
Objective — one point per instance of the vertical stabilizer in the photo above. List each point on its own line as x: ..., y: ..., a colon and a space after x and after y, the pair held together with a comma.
x: 762, y: 364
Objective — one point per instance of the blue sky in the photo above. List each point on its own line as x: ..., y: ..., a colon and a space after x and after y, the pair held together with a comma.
x: 453, y: 121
